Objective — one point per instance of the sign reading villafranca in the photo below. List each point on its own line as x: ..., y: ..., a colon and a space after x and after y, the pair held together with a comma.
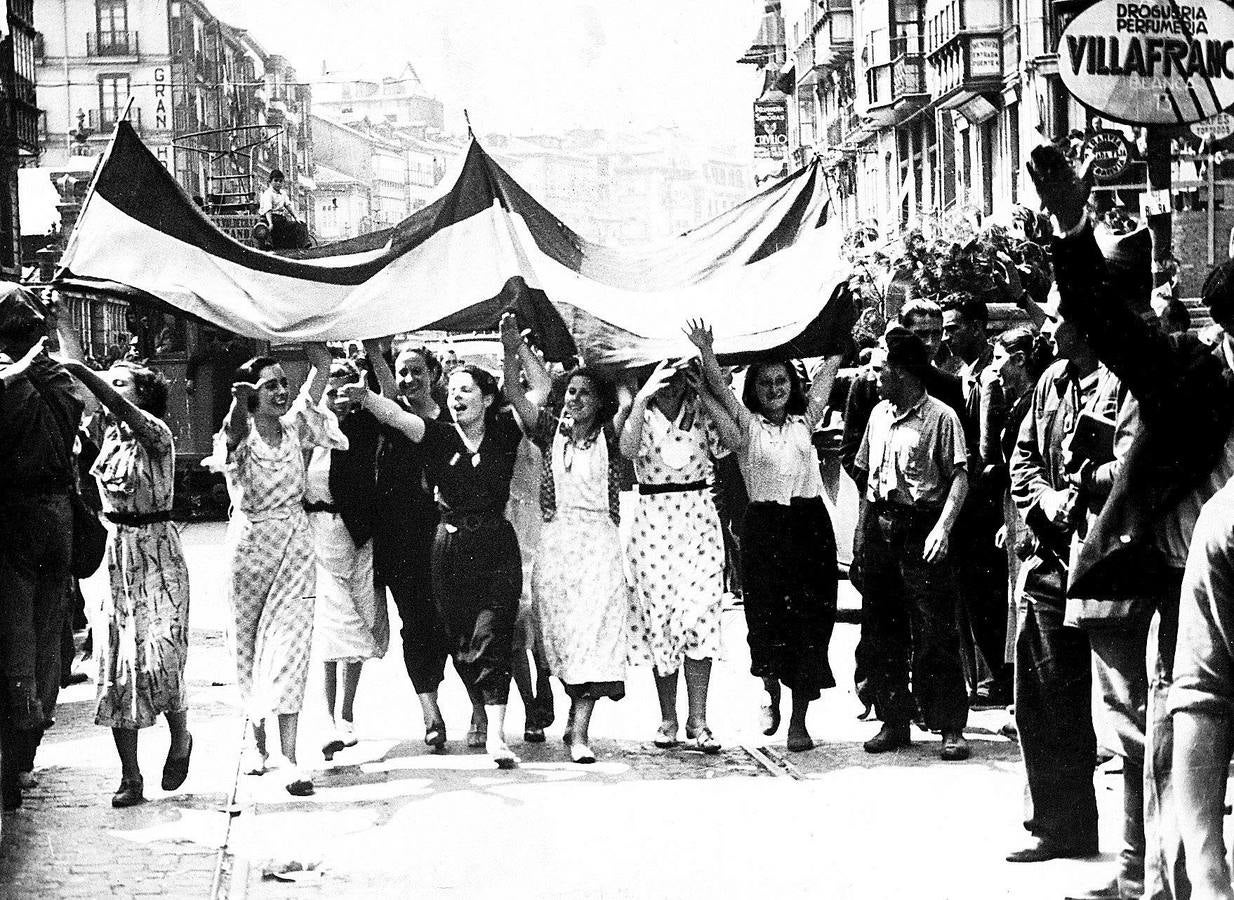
x: 1152, y: 62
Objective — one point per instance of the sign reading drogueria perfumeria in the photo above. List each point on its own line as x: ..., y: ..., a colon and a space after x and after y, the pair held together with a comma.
x: 1152, y: 62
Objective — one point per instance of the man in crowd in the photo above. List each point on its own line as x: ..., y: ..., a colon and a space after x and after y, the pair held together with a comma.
x: 981, y: 567
x: 1053, y: 683
x: 1181, y: 454
x: 912, y: 462
x: 40, y: 413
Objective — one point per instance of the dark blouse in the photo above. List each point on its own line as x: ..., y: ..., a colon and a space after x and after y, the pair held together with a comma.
x: 470, y: 483
x: 407, y: 515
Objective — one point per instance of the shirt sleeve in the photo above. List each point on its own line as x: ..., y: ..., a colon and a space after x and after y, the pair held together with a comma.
x: 952, y: 448
x: 715, y: 446
x: 1203, y: 667
x: 315, y: 424
x: 162, y: 443
x: 1029, y: 478
x: 266, y: 204
x: 861, y: 461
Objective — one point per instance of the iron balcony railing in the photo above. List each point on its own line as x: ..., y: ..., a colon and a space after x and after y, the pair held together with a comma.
x: 112, y: 43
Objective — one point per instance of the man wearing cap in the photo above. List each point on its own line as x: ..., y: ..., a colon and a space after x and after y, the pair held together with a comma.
x: 1182, y: 453
x: 912, y: 461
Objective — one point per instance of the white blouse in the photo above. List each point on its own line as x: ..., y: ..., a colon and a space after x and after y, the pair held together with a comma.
x: 779, y: 462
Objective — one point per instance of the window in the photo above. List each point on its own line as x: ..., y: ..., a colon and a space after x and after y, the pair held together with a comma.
x: 113, y: 18
x: 113, y: 97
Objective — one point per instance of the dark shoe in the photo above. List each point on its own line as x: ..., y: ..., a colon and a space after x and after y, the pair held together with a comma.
x: 954, y: 748
x: 129, y: 793
x: 1040, y: 851
x: 665, y: 739
x: 176, y: 769
x: 889, y: 738
x: 799, y: 743
x: 73, y: 678
x: 533, y: 735
x: 992, y: 696
x: 435, y: 736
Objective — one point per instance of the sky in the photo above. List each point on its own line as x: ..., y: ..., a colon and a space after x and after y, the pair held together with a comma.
x: 535, y: 66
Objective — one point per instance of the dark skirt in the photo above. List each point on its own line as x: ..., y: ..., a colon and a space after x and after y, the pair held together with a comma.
x: 477, y: 581
x: 790, y: 581
x: 596, y: 690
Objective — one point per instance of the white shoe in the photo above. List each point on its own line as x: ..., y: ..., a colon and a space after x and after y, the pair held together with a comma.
x: 252, y: 760
x: 346, y: 732
x: 502, y: 755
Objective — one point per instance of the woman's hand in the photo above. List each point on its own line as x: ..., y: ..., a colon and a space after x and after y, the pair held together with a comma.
x: 937, y: 543
x: 700, y: 335
x: 242, y: 392
x: 511, y: 336
x: 657, y: 381
x: 354, y: 392
x: 1000, y: 538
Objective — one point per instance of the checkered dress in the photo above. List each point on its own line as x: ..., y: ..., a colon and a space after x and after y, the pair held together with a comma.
x: 273, y: 569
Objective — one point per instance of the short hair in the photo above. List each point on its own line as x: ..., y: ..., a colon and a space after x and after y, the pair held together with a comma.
x: 918, y: 307
x: 21, y: 321
x: 251, y: 371
x: 346, y: 369
x: 1218, y: 290
x: 796, y: 392
x: 969, y: 307
x: 606, y: 390
x: 151, y: 387
x: 906, y: 351
x: 277, y: 175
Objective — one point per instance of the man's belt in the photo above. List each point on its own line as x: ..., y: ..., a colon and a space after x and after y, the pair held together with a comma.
x: 472, y: 521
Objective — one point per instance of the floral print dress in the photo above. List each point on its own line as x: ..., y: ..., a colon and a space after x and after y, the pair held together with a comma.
x: 143, y: 628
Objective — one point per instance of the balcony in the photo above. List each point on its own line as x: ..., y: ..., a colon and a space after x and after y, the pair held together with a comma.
x: 112, y: 43
x: 843, y: 130
x: 965, y: 66
x: 102, y: 121
x: 895, y: 85
x: 833, y: 33
x: 20, y: 120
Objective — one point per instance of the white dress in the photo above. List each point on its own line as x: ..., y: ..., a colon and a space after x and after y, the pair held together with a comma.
x: 351, y: 623
x: 676, y: 547
x: 581, y: 598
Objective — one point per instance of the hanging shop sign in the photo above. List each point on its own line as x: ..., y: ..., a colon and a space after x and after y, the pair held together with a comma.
x: 770, y: 129
x: 1111, y: 154
x: 1154, y: 62
x: 1218, y: 128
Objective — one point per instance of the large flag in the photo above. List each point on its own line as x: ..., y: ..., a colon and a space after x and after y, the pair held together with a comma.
x: 767, y: 275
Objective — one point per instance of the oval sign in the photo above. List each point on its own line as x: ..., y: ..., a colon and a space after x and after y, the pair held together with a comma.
x: 1154, y: 62
x: 1111, y: 154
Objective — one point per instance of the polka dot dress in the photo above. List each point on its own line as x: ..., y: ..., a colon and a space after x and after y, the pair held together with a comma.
x: 676, y: 549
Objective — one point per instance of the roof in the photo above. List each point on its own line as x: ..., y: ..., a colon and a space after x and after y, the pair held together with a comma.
x: 328, y: 177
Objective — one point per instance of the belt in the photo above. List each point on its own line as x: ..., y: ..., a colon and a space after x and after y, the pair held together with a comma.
x: 472, y: 521
x: 138, y: 520
x: 277, y: 512
x: 900, y: 510
x: 312, y: 506
x: 673, y: 488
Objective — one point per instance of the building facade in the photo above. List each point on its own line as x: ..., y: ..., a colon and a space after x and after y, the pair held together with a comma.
x: 925, y: 108
x: 193, y: 86
x: 400, y: 100
x: 19, y: 118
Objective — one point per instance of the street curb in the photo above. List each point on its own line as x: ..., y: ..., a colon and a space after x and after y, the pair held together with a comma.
x: 239, y: 870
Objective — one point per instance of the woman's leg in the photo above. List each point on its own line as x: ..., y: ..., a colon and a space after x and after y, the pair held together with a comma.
x: 126, y: 747
x: 698, y: 679
x: 771, y: 712
x: 178, y: 723
x: 544, y: 686
x: 580, y: 721
x: 430, y: 709
x: 666, y: 691
x: 331, y: 684
x: 798, y: 737
x: 289, y: 727
x: 351, y: 682
x: 520, y: 668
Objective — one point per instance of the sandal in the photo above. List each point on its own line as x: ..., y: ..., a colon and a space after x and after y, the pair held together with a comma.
x: 534, y: 735
x: 703, y: 740
x: 435, y: 735
x: 666, y: 739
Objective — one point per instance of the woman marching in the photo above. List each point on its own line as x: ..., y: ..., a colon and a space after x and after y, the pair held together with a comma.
x: 477, y: 570
x: 788, y: 546
x: 146, y: 617
x: 341, y: 499
x: 578, y: 585
x: 261, y: 451
x: 676, y: 549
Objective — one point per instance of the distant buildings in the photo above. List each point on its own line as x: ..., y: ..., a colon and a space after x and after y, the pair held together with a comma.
x: 399, y: 100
